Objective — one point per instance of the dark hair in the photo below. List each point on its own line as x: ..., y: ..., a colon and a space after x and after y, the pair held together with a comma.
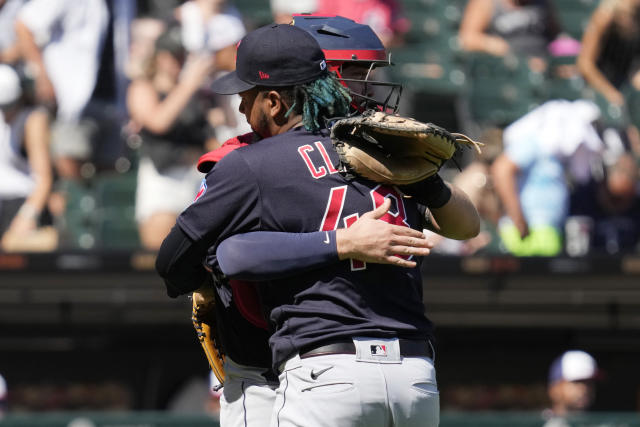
x: 171, y: 41
x: 320, y: 99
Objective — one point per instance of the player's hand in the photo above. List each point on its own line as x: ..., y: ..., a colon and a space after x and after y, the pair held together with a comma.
x: 371, y: 240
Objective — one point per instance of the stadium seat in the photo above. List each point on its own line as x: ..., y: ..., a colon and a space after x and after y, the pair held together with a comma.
x: 501, y: 90
x: 99, y: 212
x: 115, y: 224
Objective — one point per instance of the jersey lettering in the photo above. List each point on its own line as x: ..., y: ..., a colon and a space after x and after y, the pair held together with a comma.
x: 397, y: 214
x: 325, y: 157
x: 334, y: 208
x: 320, y: 171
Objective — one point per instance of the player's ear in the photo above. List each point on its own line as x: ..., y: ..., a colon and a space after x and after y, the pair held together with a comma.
x: 277, y: 107
x: 273, y: 103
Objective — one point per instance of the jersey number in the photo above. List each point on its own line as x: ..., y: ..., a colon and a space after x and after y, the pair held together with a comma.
x: 397, y: 214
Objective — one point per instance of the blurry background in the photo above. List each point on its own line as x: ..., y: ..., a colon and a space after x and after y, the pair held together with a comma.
x: 109, y: 91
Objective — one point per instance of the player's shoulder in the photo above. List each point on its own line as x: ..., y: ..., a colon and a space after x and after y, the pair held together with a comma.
x: 282, y: 143
x: 233, y: 164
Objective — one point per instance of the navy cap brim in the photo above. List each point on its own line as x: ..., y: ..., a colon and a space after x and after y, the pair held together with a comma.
x: 230, y: 84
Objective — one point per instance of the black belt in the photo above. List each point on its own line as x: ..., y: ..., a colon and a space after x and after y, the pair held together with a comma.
x: 408, y: 348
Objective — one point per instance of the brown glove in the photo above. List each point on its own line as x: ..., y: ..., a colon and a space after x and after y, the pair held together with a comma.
x: 204, y: 321
x: 391, y: 149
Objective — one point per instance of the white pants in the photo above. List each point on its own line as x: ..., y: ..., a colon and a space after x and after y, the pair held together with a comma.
x: 247, y: 397
x: 345, y: 390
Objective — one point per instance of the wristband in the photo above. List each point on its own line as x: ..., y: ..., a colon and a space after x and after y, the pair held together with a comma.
x: 432, y: 192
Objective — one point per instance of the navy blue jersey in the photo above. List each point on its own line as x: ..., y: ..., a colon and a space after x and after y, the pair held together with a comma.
x: 289, y: 183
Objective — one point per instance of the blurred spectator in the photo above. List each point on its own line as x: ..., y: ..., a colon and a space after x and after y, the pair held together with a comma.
x: 61, y: 42
x: 201, y: 22
x: 610, y: 201
x: 215, y: 28
x: 475, y: 180
x: 384, y: 16
x: 172, y: 123
x: 540, y: 149
x: 144, y: 33
x: 283, y: 10
x: 611, y: 49
x: 25, y: 168
x: 519, y: 27
x: 571, y: 386
x: 9, y: 51
x: 162, y: 10
x: 563, y: 79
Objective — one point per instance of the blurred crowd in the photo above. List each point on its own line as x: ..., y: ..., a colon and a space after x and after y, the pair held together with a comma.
x: 564, y: 179
x: 105, y: 109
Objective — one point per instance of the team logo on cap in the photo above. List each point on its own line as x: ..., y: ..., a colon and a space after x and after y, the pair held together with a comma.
x: 202, y: 190
x: 323, y: 65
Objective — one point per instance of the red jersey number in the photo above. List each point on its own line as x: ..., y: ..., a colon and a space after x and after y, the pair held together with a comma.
x: 397, y: 214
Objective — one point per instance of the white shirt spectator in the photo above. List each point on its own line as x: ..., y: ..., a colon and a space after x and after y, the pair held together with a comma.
x: 17, y: 179
x: 211, y: 34
x: 8, y: 14
x: 70, y: 34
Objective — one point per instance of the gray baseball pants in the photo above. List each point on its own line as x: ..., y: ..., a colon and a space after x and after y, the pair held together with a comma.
x: 247, y: 397
x: 371, y: 388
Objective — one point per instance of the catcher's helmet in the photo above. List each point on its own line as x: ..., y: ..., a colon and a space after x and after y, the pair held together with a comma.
x: 345, y: 42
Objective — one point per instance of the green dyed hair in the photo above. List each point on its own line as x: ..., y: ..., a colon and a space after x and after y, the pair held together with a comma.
x: 320, y: 99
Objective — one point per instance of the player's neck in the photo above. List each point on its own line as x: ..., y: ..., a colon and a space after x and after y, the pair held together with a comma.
x: 293, y: 122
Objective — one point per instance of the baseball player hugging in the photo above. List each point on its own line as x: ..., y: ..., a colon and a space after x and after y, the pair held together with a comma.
x: 350, y: 342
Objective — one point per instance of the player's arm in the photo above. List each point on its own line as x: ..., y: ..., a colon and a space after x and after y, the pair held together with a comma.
x: 268, y: 255
x: 179, y: 263
x: 457, y: 219
x: 451, y: 213
x: 228, y: 202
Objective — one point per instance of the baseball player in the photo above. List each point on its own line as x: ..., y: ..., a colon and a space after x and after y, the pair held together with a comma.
x: 249, y: 393
x: 327, y: 322
x: 249, y: 389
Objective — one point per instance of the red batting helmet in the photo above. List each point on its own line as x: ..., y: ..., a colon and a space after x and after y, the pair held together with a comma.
x: 345, y: 42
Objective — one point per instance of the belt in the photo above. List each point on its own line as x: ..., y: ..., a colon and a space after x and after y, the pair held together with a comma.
x: 408, y: 348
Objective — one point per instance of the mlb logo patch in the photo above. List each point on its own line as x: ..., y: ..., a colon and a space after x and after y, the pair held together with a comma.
x: 202, y: 190
x: 379, y: 350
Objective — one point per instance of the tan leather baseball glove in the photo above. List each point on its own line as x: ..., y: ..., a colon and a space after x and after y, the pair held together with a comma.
x: 391, y: 149
x: 204, y: 321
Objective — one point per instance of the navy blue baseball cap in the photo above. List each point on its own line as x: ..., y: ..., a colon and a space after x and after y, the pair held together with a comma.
x: 274, y: 56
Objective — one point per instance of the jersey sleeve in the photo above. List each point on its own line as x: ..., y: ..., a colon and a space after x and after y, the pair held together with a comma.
x: 227, y: 203
x: 265, y: 255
